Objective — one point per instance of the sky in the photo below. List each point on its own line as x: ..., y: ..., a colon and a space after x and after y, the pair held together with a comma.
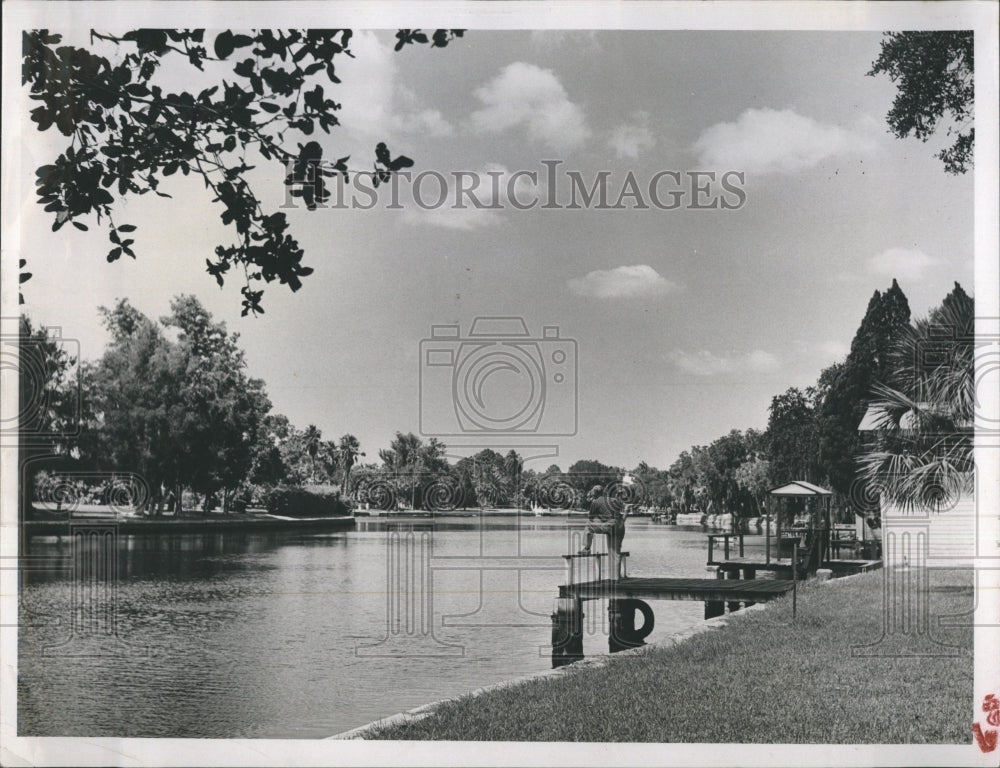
x: 674, y: 326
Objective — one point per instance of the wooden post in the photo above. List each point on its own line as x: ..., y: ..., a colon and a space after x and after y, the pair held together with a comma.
x: 715, y: 608
x: 795, y: 575
x: 749, y: 574
x: 733, y: 605
x: 567, y: 631
x: 613, y: 557
x: 767, y: 534
x: 711, y: 548
x: 725, y: 545
x: 741, y: 545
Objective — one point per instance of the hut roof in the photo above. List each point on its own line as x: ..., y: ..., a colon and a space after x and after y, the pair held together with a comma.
x: 800, y: 488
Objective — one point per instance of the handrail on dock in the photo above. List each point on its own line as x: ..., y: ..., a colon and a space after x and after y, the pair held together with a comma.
x: 725, y: 543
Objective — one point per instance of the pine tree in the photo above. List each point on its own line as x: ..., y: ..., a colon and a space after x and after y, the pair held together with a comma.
x: 844, y: 403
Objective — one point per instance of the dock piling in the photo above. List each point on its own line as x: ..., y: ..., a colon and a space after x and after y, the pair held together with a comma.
x: 715, y: 608
x: 749, y: 574
x: 733, y: 605
x: 567, y: 631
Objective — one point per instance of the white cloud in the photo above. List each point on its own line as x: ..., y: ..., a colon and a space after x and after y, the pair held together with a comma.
x: 775, y: 141
x: 373, y: 103
x: 367, y: 86
x: 410, y: 117
x: 705, y: 363
x: 834, y: 350
x: 622, y: 282
x: 901, y: 263
x: 426, y: 122
x: 549, y: 39
x: 493, y: 188
x: 632, y: 138
x: 464, y: 219
x: 532, y: 97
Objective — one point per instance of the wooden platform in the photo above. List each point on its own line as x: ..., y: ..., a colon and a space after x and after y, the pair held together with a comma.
x: 840, y: 567
x: 712, y: 590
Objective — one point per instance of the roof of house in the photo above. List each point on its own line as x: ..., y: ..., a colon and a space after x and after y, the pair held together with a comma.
x: 870, y: 421
x: 800, y: 488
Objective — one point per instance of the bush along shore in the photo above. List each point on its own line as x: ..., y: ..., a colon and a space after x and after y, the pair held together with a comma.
x: 830, y: 675
x: 314, y: 507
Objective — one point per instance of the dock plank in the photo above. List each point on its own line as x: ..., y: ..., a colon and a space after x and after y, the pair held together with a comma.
x: 648, y: 588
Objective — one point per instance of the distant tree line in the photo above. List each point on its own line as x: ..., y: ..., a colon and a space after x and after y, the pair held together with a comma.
x: 916, y: 377
x: 172, y: 402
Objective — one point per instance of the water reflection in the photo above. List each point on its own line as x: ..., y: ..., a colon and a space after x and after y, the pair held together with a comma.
x: 305, y: 635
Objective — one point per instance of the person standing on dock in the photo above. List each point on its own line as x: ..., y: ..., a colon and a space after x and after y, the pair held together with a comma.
x: 606, y: 516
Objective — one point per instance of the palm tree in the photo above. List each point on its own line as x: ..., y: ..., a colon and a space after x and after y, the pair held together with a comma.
x: 405, y: 454
x: 349, y: 451
x: 922, y: 456
x: 331, y: 459
x: 312, y: 439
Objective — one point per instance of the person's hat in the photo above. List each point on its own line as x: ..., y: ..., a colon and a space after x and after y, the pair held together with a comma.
x: 595, y: 490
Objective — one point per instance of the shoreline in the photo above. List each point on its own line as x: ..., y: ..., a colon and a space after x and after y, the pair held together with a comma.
x: 668, y: 691
x: 234, y: 524
x: 593, y: 661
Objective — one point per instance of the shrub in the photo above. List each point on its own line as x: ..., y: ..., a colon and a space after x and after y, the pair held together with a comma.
x: 307, y: 501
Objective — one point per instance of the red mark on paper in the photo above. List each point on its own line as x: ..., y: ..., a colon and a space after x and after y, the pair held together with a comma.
x: 991, y: 706
x: 987, y: 740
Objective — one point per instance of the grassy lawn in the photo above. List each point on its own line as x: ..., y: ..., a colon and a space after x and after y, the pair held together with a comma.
x: 760, y: 679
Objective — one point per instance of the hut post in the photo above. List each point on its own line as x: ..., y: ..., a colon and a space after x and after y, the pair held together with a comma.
x: 767, y: 531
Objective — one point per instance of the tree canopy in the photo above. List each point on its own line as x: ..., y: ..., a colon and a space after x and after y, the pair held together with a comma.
x: 182, y: 413
x: 933, y: 73
x: 126, y: 133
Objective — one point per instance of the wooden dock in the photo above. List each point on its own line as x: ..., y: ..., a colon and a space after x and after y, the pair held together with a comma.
x: 732, y: 586
x: 735, y: 562
x: 706, y: 590
x: 626, y: 598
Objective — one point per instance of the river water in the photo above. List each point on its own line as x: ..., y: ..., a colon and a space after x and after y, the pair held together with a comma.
x: 304, y: 635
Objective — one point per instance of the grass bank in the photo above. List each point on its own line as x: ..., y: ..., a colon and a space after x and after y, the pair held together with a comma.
x: 761, y: 678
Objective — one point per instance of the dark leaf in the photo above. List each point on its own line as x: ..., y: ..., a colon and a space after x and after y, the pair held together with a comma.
x: 400, y: 162
x: 225, y: 44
